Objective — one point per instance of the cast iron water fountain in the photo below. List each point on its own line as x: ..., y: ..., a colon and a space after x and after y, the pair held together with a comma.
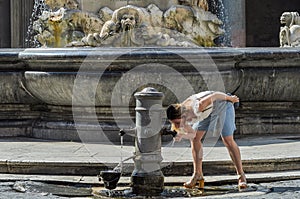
x: 147, y: 177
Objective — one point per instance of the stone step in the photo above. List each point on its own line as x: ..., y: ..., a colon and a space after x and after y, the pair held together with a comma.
x: 169, y: 169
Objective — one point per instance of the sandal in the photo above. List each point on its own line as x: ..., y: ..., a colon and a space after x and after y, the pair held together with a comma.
x: 242, y: 184
x: 196, y: 180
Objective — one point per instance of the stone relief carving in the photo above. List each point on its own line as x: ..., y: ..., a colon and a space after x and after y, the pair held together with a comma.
x: 129, y: 26
x: 59, y: 28
x: 289, y: 35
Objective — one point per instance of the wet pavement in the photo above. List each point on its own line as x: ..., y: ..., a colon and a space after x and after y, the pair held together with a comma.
x: 39, y: 190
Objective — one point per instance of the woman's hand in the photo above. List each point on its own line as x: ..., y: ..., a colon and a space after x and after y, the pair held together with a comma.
x: 233, y: 98
x: 186, y: 132
x: 178, y: 137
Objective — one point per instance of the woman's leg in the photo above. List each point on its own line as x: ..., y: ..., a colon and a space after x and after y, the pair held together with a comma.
x: 235, y: 155
x: 228, y: 140
x: 197, y: 152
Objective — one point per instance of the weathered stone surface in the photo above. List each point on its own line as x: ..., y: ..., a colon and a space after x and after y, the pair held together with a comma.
x: 94, y: 5
x: 38, y: 91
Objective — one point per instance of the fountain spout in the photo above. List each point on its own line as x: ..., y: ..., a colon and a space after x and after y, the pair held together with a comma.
x: 131, y: 132
x: 167, y: 131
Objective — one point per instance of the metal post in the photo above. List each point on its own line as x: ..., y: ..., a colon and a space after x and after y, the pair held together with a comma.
x: 147, y: 177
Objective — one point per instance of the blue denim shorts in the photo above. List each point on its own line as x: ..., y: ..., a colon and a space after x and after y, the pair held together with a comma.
x: 223, y: 115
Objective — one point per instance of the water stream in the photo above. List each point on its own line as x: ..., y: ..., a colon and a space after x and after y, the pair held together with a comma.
x: 119, y: 167
x: 38, y: 8
x: 217, y: 7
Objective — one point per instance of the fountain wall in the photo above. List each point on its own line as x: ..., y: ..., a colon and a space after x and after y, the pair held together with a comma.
x: 37, y: 88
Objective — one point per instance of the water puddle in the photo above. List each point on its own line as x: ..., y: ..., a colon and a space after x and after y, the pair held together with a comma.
x: 96, y: 192
x: 173, y: 192
x: 51, y: 189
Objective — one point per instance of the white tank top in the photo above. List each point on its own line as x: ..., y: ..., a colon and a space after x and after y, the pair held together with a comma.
x: 195, y: 104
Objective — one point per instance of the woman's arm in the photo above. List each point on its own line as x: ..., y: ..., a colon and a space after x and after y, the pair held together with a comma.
x: 223, y: 96
x: 207, y: 100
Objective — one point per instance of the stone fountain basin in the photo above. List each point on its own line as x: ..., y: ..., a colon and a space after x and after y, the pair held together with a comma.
x: 52, y: 73
x: 56, y: 88
x: 266, y: 79
x: 261, y: 73
x: 50, y: 87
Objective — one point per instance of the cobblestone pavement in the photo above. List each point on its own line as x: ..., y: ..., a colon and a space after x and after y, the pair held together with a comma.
x: 38, y: 190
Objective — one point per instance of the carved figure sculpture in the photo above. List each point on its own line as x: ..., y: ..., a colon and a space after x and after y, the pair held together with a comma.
x: 130, y: 26
x: 199, y: 25
x: 127, y: 20
x: 120, y: 30
x: 289, y: 35
x: 59, y: 28
x: 109, y: 29
x: 54, y: 34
